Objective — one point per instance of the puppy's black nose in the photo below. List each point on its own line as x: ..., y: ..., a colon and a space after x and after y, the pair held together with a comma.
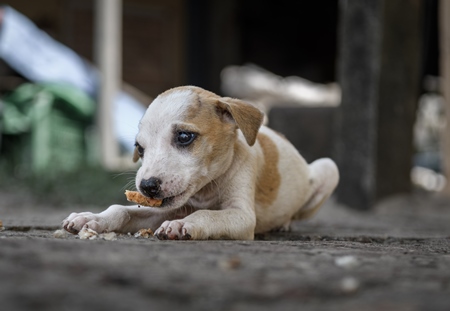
x: 151, y: 186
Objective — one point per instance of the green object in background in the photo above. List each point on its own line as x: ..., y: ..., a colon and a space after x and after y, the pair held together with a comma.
x: 45, y: 127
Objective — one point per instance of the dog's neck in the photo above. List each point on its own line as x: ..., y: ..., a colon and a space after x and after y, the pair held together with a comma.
x: 210, y: 196
x: 207, y: 197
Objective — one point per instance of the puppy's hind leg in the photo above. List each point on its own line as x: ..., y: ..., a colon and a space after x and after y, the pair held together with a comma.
x: 324, y: 177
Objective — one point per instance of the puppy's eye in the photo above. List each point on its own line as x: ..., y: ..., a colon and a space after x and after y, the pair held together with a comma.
x: 184, y: 138
x: 139, y: 150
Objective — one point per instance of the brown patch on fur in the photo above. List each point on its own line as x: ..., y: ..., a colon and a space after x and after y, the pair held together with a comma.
x: 217, y: 120
x: 216, y: 137
x: 247, y: 117
x: 269, y: 179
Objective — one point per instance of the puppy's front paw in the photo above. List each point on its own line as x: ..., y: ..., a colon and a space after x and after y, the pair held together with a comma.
x: 77, y: 221
x: 177, y: 230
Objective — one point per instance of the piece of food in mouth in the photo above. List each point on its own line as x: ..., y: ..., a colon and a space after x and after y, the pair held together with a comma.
x: 137, y: 197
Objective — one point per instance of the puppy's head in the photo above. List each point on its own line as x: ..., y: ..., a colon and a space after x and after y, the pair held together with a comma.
x: 187, y: 139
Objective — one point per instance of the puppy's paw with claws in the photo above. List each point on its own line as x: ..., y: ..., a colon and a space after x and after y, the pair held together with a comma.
x: 177, y: 230
x: 87, y: 220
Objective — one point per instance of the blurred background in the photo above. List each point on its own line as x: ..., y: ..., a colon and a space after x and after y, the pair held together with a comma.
x: 360, y: 81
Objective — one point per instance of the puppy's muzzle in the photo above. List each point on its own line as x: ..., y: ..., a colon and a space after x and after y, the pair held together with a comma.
x: 151, y: 187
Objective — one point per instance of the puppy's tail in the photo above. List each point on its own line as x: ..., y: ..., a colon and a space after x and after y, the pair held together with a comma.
x: 324, y: 177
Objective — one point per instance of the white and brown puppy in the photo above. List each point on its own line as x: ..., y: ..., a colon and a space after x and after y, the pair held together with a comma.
x: 220, y: 174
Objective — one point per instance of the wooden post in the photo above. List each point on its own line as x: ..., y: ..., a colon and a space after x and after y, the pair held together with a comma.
x: 398, y: 94
x: 444, y: 31
x: 108, y: 58
x: 358, y: 74
x: 379, y: 73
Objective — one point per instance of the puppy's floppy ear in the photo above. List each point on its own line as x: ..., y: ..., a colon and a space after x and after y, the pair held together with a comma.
x: 247, y: 117
x: 135, y: 155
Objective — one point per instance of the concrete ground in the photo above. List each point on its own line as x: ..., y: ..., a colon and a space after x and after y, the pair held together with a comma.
x: 396, y: 257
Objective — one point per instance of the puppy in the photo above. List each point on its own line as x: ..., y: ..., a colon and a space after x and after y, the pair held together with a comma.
x: 219, y: 173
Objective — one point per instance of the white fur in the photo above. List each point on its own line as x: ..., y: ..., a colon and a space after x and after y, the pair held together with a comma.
x: 214, y: 200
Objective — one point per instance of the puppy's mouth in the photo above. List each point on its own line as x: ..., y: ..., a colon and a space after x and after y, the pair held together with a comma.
x: 167, y: 201
x: 170, y: 201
